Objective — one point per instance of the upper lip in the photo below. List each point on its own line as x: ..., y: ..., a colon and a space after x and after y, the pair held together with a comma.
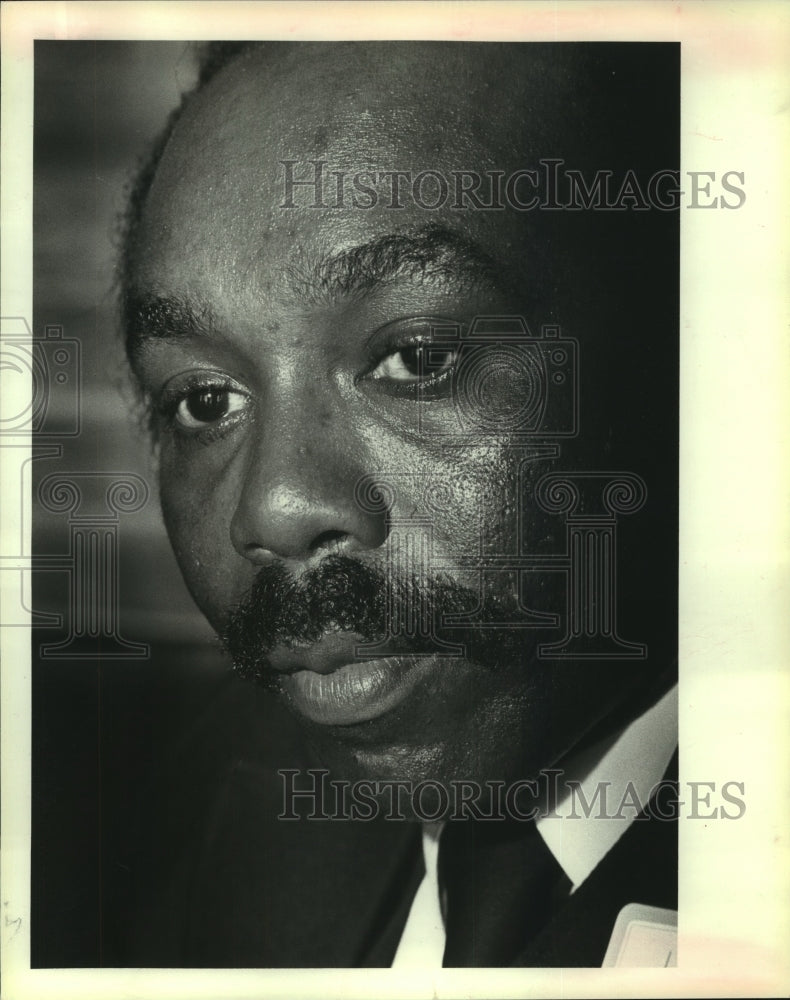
x: 332, y: 651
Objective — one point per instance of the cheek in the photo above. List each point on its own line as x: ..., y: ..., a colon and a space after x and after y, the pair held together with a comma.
x: 481, y: 509
x: 196, y: 512
x: 467, y: 495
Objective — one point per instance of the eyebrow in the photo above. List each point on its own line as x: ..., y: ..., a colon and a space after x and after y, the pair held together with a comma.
x: 163, y: 317
x: 431, y: 252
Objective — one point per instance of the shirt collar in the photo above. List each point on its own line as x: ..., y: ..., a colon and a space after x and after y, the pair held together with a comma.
x: 633, y: 763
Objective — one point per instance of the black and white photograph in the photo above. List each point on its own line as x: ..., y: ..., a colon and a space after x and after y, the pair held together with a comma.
x: 355, y: 569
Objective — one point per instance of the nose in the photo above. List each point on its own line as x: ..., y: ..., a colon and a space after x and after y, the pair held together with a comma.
x: 297, y: 499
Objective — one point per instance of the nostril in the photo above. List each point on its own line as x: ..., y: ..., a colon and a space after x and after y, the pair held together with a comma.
x: 328, y: 541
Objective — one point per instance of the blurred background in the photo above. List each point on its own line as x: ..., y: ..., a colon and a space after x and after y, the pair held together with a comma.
x: 98, y: 106
x: 122, y: 660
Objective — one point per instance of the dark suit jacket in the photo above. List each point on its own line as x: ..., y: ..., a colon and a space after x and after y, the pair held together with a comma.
x: 214, y: 879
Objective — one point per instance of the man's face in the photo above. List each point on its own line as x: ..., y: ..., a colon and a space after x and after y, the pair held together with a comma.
x: 281, y: 349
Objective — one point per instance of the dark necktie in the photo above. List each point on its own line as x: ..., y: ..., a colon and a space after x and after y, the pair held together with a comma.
x: 499, y: 885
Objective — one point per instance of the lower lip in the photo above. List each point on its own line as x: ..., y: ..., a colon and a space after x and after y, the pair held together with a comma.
x: 355, y: 692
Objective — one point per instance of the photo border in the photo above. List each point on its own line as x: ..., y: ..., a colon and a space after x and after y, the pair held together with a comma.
x: 734, y: 878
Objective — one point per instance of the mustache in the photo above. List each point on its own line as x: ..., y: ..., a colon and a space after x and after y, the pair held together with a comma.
x: 343, y: 594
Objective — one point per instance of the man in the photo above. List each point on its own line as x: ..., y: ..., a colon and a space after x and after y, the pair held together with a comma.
x: 419, y: 562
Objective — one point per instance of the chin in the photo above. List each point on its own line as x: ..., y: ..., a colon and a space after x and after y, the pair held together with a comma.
x: 442, y: 745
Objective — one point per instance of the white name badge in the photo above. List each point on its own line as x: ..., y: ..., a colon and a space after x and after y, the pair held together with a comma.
x: 643, y: 937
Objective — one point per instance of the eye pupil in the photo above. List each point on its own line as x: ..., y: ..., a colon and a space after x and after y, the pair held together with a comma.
x: 423, y: 359
x: 208, y: 405
x: 413, y: 359
x: 441, y: 358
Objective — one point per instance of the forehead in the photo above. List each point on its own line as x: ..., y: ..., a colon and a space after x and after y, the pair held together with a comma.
x: 363, y: 102
x: 217, y: 205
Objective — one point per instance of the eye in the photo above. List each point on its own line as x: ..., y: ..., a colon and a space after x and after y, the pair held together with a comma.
x: 201, y: 401
x: 208, y: 405
x: 415, y: 362
x: 414, y: 352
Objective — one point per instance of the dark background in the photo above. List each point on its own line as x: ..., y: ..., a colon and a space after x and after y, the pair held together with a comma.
x: 99, y: 725
x: 98, y: 106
